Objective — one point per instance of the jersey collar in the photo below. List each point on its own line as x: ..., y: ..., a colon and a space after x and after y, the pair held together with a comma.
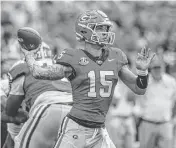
x: 98, y: 60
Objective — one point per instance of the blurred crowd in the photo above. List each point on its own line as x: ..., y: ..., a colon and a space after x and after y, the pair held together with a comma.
x: 136, y: 24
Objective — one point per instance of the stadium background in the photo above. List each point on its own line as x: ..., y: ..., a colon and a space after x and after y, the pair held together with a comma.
x: 135, y: 23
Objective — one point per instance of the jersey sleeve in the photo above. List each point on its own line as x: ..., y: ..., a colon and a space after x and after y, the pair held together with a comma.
x: 121, y: 58
x: 17, y: 86
x: 18, y: 69
x: 65, y: 58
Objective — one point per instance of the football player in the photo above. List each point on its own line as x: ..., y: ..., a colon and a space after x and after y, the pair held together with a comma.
x: 46, y: 103
x: 93, y: 73
x: 21, y: 117
x: 4, y: 90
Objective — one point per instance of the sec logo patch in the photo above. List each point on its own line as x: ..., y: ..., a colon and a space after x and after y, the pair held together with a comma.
x: 75, y: 136
x: 83, y: 61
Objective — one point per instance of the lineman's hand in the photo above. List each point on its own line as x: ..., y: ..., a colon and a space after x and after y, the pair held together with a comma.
x: 26, y: 52
x: 21, y: 117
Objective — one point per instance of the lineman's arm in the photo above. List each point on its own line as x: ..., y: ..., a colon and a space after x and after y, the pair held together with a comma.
x: 4, y: 117
x: 4, y: 90
x: 50, y: 72
x: 16, y: 96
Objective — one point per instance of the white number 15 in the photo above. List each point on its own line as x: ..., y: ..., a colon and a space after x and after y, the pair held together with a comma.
x: 103, y: 81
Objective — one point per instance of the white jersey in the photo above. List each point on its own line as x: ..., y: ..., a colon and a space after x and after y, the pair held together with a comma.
x: 47, y: 97
x: 157, y: 103
x: 4, y: 87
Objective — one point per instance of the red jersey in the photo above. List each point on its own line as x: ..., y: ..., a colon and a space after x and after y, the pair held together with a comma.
x: 93, y: 81
x: 34, y: 87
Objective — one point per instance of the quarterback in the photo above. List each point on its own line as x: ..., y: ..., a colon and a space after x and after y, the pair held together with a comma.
x: 93, y: 73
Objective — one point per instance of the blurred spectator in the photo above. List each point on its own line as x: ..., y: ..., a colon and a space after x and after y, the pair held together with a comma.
x: 120, y: 122
x: 135, y: 22
x: 156, y: 128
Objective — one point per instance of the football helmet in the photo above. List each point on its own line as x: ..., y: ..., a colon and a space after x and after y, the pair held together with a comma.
x: 87, y: 24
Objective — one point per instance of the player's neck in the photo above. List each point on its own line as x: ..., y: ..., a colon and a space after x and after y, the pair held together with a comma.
x: 95, y: 50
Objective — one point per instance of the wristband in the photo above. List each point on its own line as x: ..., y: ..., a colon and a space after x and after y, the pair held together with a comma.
x: 142, y: 81
x: 142, y: 72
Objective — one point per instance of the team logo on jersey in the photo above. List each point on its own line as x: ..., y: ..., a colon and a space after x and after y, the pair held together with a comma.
x: 99, y: 62
x: 75, y: 136
x: 83, y: 61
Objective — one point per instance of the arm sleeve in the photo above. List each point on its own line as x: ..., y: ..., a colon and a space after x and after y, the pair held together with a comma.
x: 17, y: 86
x: 65, y: 58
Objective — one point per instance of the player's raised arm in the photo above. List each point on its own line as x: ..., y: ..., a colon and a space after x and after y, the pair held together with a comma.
x: 50, y: 72
x: 138, y: 84
x: 30, y: 42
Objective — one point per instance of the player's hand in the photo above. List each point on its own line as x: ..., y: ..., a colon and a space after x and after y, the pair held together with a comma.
x: 26, y: 52
x: 21, y: 117
x: 144, y: 59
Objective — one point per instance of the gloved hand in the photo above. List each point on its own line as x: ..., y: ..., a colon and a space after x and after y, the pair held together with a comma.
x: 143, y: 61
x: 21, y: 117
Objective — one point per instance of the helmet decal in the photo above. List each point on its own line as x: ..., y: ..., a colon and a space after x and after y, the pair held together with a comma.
x: 85, y: 18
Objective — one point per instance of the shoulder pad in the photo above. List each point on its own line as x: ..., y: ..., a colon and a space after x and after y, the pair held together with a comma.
x: 18, y: 69
x: 65, y: 56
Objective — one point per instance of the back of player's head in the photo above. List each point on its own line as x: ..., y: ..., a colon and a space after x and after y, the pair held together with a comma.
x: 44, y: 55
x: 88, y: 24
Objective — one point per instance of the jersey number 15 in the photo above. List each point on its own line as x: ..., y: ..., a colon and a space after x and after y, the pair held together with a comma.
x: 103, y: 81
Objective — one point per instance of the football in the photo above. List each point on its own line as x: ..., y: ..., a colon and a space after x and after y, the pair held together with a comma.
x: 29, y: 38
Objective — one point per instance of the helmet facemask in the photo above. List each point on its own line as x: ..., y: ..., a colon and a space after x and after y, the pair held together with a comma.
x: 105, y: 37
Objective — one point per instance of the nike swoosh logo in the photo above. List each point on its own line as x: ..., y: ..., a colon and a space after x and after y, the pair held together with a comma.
x: 110, y: 60
x: 141, y: 81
